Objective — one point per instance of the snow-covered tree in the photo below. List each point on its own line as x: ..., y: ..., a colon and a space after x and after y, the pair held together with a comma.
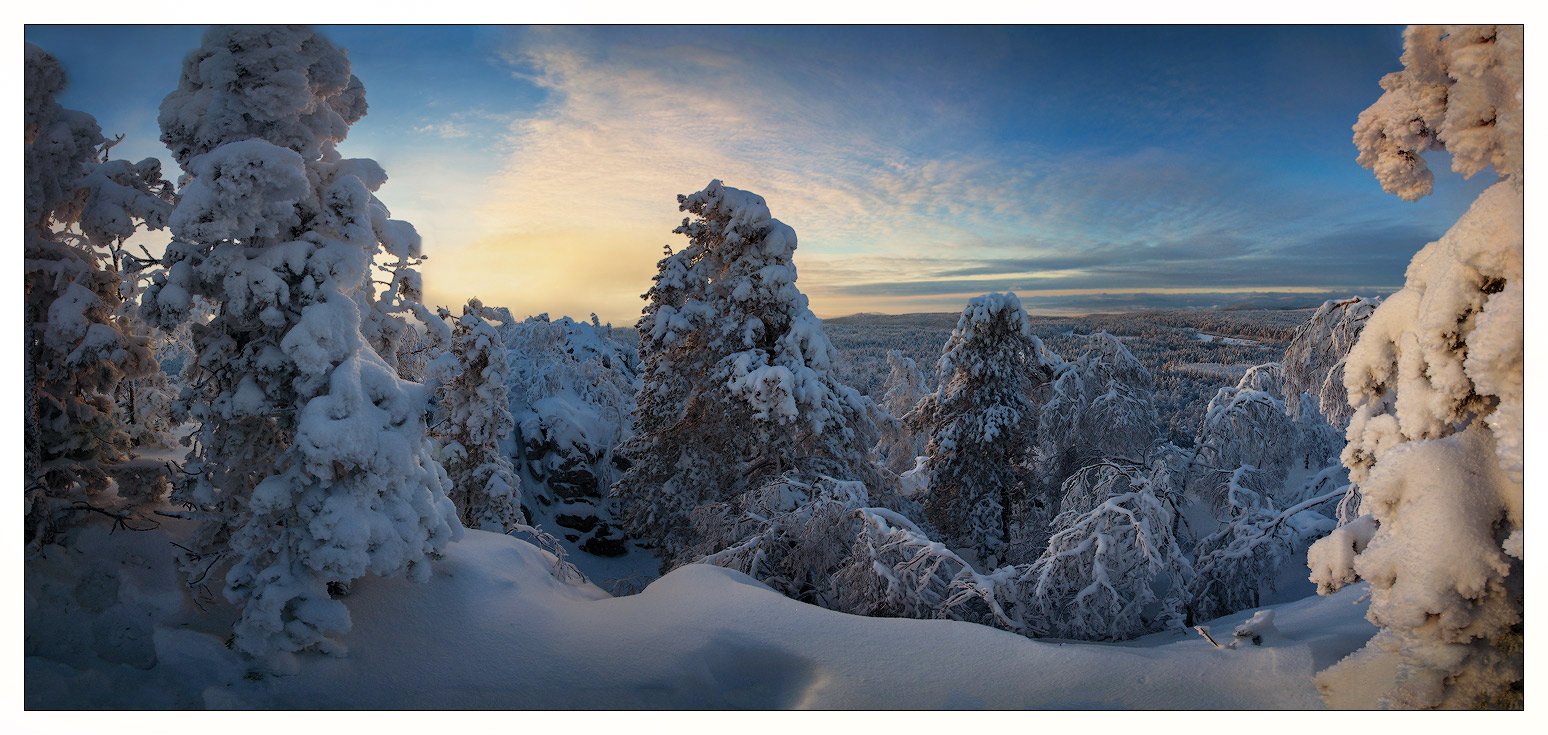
x: 1101, y: 406
x: 1244, y: 426
x: 571, y: 386
x: 79, y: 208
x: 475, y: 421
x: 312, y: 461
x: 1114, y: 567
x: 790, y: 534
x: 982, y: 420
x: 1436, y: 383
x: 906, y: 385
x: 737, y: 374
x: 1314, y: 359
x: 1237, y: 566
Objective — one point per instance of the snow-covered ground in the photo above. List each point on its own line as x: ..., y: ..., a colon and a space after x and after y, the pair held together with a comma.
x: 108, y: 626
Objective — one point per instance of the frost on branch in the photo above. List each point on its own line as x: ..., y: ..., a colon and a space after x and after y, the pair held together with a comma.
x: 1436, y: 383
x: 737, y: 385
x: 982, y: 420
x: 311, y: 457
x: 1101, y: 406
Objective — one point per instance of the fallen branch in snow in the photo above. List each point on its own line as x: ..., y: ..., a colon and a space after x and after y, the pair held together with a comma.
x: 1203, y: 631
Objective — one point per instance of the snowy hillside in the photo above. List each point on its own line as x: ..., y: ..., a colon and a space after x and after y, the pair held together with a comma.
x: 108, y: 626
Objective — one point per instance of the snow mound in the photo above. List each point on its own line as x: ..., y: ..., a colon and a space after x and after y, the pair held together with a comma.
x: 108, y: 626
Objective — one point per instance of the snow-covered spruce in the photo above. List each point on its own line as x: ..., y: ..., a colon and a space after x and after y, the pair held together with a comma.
x: 1436, y: 382
x: 899, y: 441
x: 737, y: 384
x: 571, y: 388
x: 982, y: 420
x: 311, y: 459
x: 474, y: 421
x: 78, y: 350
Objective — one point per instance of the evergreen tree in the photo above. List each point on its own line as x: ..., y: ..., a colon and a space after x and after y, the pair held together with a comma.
x: 311, y: 461
x: 1436, y: 383
x: 982, y: 420
x: 476, y: 421
x: 737, y: 375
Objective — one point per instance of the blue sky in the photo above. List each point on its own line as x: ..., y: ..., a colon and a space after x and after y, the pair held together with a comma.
x: 1085, y: 167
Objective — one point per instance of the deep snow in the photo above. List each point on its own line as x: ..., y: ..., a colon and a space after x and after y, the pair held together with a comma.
x: 107, y: 626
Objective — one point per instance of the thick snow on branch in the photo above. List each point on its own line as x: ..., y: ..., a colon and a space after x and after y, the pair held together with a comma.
x: 1436, y: 381
x: 312, y: 453
x: 1459, y: 90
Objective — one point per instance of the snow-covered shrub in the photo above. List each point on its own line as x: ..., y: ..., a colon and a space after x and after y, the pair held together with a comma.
x: 1101, y: 406
x: 1114, y: 568
x: 894, y: 569
x: 737, y: 383
x: 1236, y: 567
x: 898, y: 444
x: 571, y: 388
x: 1314, y: 359
x: 78, y: 350
x: 792, y: 534
x: 1436, y: 383
x: 474, y: 422
x: 982, y: 420
x: 311, y: 460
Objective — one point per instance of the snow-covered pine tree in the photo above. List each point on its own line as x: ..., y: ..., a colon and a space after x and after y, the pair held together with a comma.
x: 1436, y: 383
x: 1314, y: 359
x: 982, y: 420
x: 311, y: 460
x: 79, y: 208
x: 475, y: 421
x: 737, y: 375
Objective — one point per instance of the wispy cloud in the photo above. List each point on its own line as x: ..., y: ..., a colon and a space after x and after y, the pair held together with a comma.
x: 893, y: 197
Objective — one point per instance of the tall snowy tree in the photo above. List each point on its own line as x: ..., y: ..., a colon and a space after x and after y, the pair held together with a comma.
x: 737, y: 385
x: 78, y: 350
x: 906, y: 385
x: 1436, y: 383
x: 982, y: 420
x: 311, y: 460
x: 476, y: 421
